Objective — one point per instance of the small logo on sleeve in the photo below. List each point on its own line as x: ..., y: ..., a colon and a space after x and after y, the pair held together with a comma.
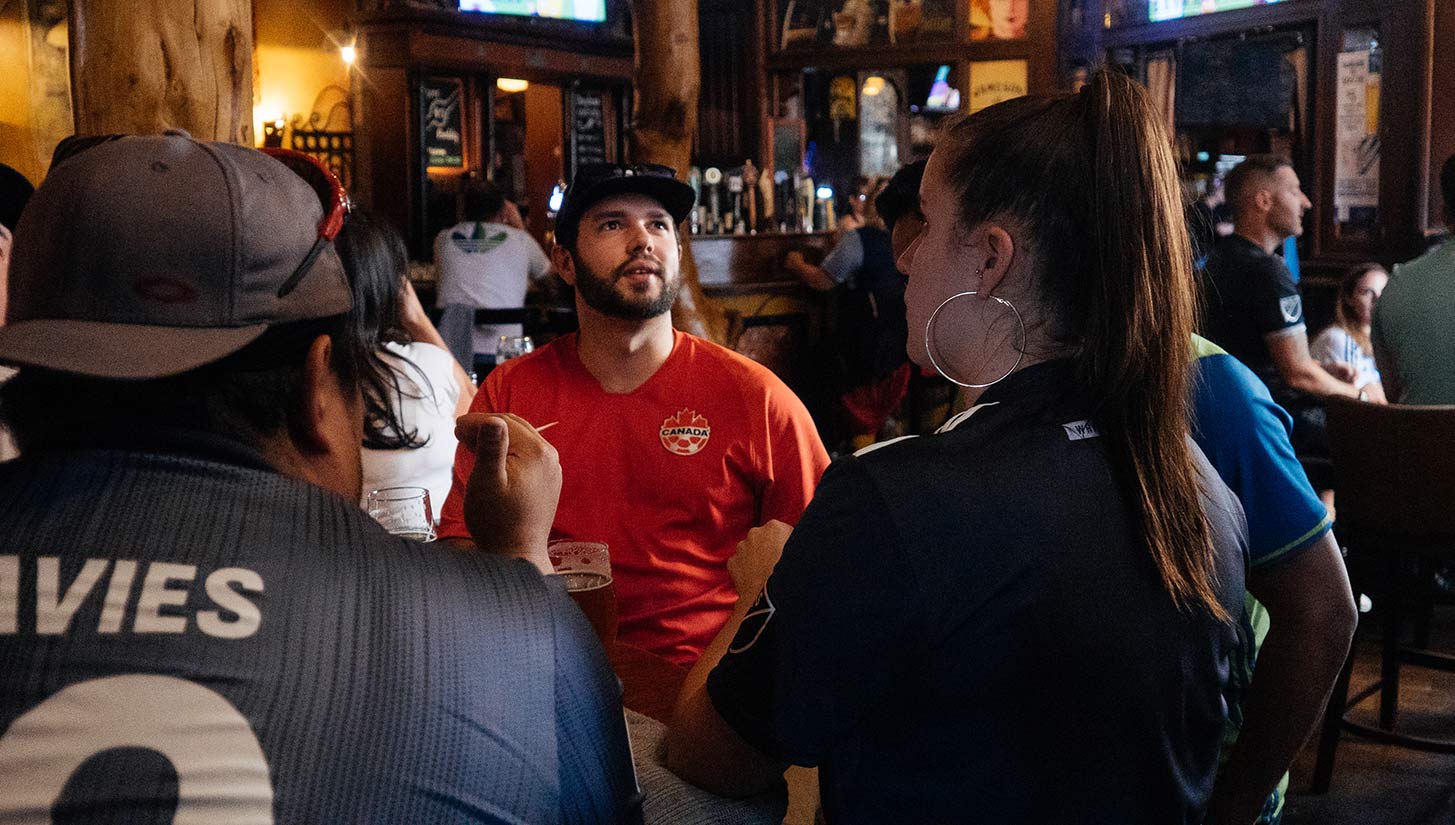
x: 685, y: 433
x: 1080, y: 430
x: 751, y: 630
x: 1292, y: 308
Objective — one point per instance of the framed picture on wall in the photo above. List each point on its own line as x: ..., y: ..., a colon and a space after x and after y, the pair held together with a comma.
x: 994, y: 81
x: 999, y: 19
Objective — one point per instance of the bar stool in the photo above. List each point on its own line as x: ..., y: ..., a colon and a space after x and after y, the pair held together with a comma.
x: 1396, y: 497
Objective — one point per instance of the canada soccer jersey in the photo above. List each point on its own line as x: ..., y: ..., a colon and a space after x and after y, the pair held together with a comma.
x: 671, y: 476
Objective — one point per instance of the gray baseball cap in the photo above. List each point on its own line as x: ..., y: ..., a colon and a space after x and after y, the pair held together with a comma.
x: 149, y: 256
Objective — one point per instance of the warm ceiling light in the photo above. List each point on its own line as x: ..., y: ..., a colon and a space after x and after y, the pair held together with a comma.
x: 349, y: 53
x: 511, y: 84
x: 873, y: 85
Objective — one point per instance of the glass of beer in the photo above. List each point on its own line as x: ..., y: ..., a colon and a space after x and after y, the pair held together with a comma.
x: 403, y: 511
x: 585, y: 567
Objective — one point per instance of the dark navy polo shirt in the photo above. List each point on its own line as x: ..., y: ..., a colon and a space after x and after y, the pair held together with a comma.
x: 967, y: 627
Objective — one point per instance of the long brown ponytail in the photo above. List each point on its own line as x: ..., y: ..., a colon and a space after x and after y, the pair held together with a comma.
x: 1092, y: 178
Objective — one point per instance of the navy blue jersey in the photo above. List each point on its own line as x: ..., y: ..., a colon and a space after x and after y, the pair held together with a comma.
x: 968, y: 627
x: 1250, y: 294
x: 188, y: 636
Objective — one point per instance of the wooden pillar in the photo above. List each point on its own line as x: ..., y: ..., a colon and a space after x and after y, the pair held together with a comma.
x: 668, y: 79
x: 142, y: 66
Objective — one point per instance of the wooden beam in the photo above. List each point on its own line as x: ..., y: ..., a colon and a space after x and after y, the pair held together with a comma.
x: 146, y: 65
x: 668, y: 80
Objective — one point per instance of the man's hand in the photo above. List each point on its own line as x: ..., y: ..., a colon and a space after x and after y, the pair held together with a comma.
x: 510, y: 499
x: 757, y: 555
x: 1375, y: 393
x: 1342, y: 370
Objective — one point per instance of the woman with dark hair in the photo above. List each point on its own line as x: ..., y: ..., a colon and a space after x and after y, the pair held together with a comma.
x: 1028, y: 616
x: 413, y: 388
x: 1346, y: 341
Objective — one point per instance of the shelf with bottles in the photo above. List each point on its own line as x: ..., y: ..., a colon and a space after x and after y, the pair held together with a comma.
x: 747, y: 201
x: 911, y: 26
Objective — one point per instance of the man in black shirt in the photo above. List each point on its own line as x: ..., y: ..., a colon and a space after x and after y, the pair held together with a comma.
x: 1254, y: 310
x: 197, y: 621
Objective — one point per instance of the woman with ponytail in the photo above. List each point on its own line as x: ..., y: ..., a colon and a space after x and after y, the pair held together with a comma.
x: 1029, y: 616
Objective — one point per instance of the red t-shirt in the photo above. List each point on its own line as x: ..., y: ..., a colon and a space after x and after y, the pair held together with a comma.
x: 671, y: 476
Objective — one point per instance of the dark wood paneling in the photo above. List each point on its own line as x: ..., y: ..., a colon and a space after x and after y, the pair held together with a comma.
x: 1441, y: 112
x: 728, y: 104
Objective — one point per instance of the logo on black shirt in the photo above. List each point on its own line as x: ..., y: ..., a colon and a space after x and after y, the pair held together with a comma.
x: 754, y: 623
x: 1292, y: 308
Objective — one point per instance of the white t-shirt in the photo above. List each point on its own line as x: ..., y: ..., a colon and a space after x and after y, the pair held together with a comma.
x: 487, y: 266
x: 1336, y: 344
x: 432, y: 416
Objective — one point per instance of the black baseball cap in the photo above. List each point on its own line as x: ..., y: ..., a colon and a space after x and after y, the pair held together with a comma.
x: 595, y: 182
x: 15, y: 191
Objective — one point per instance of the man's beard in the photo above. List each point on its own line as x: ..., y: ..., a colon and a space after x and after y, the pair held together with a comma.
x: 600, y: 294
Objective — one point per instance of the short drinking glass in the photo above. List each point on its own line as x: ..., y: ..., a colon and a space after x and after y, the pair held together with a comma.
x: 403, y: 511
x: 585, y: 566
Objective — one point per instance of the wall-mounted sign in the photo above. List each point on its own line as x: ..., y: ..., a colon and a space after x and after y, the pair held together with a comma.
x: 993, y: 81
x: 588, y: 126
x: 440, y: 123
x: 1356, y: 152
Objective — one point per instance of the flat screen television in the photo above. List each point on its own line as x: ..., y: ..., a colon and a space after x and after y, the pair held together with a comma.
x: 586, y: 11
x: 1173, y: 9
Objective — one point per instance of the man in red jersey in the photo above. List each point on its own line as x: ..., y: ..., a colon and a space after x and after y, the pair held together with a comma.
x: 671, y: 447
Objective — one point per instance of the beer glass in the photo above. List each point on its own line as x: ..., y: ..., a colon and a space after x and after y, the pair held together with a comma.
x: 403, y: 511
x: 513, y: 346
x: 585, y: 567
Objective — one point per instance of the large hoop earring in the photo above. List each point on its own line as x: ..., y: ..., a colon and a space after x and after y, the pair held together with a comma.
x: 930, y: 346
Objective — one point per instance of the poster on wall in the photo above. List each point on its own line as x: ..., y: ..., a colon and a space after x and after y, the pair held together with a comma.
x: 1356, y: 153
x: 999, y: 19
x: 440, y: 123
x: 993, y: 81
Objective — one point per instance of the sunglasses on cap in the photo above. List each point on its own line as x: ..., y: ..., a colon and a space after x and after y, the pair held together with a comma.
x: 331, y: 195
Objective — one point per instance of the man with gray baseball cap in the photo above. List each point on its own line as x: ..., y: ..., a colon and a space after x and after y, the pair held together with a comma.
x: 196, y: 620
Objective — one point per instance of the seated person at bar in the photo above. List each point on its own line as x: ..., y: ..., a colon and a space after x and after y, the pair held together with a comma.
x: 869, y: 330
x: 486, y: 262
x: 1346, y: 340
x: 1030, y: 615
x: 201, y: 621
x: 413, y: 390
x: 1253, y: 307
x: 1295, y: 569
x: 671, y: 447
x: 1412, y: 323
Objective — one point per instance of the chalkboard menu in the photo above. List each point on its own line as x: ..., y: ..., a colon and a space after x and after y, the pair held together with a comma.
x: 588, y: 126
x: 439, y: 121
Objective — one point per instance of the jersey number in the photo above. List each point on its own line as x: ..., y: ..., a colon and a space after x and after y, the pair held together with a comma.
x: 222, y: 775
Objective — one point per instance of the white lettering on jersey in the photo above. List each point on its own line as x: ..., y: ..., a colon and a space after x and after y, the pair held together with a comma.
x: 118, y: 592
x: 219, y: 590
x: 1080, y: 430
x: 52, y: 612
x: 236, y: 617
x: 9, y: 594
x: 155, y: 594
x: 222, y: 774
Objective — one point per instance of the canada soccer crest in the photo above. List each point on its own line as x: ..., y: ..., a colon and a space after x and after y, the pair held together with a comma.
x: 685, y: 433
